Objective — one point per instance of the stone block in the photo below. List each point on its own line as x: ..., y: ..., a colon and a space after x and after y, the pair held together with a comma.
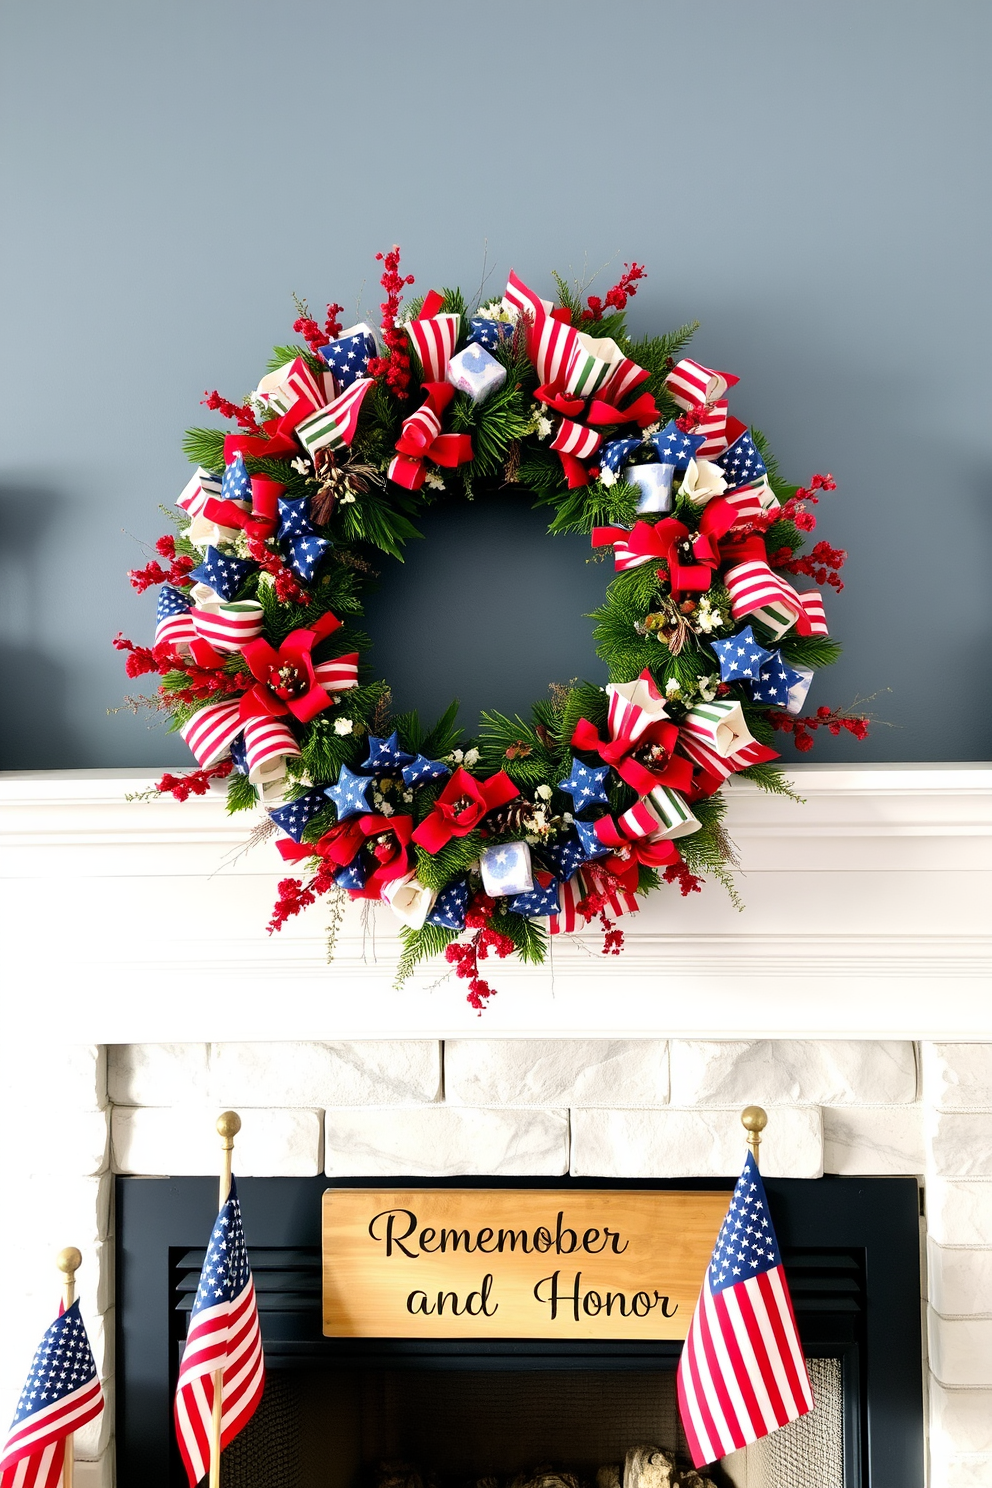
x: 99, y: 1474
x: 556, y: 1072
x: 167, y: 1142
x: 792, y: 1071
x: 692, y: 1144
x: 158, y: 1074
x: 957, y: 1077
x: 76, y: 1075
x: 959, y: 1213
x: 38, y: 1280
x: 444, y: 1141
x: 960, y: 1350
x: 960, y: 1143
x: 380, y: 1072
x: 38, y: 1139
x: 960, y: 1280
x: 960, y: 1420
x: 873, y: 1139
x: 76, y: 1211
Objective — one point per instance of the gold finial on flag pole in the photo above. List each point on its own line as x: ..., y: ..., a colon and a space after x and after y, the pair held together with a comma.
x: 754, y: 1120
x: 68, y: 1262
x: 228, y: 1126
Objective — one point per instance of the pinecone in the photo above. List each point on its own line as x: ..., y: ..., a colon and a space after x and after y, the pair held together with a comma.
x: 338, y: 481
x: 509, y: 818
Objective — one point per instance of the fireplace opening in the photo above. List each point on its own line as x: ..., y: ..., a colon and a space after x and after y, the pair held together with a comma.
x: 342, y: 1412
x: 411, y: 1428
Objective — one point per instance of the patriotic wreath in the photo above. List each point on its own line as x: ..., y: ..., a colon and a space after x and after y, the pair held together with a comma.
x: 540, y: 825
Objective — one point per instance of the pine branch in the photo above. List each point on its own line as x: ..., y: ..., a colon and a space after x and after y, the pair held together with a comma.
x: 529, y: 937
x: 453, y: 860
x: 592, y: 506
x: 809, y: 651
x: 420, y: 945
x: 374, y: 519
x: 241, y: 794
x: 204, y: 447
x: 283, y: 354
x: 445, y: 734
x: 770, y: 778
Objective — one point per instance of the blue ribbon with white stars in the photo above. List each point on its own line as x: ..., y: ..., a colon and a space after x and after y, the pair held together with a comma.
x: 349, y: 793
x: 222, y: 574
x: 348, y: 356
x: 304, y: 549
x: 293, y: 816
x: 353, y: 876
x: 489, y: 333
x: 236, y: 482
x: 537, y: 901
x: 565, y: 856
x: 450, y: 907
x: 591, y: 845
x: 585, y: 785
x: 741, y: 463
x: 671, y: 444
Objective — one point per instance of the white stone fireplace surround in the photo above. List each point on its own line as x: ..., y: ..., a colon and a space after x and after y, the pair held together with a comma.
x: 851, y: 1000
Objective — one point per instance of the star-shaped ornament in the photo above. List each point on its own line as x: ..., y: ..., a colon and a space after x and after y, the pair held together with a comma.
x: 386, y: 754
x: 776, y: 682
x: 740, y: 656
x: 565, y: 856
x: 293, y: 816
x: 422, y: 768
x: 591, y: 845
x: 675, y: 446
x: 349, y: 793
x: 221, y: 574
x: 294, y: 519
x: 542, y: 899
x: 353, y: 876
x: 585, y: 785
x: 236, y: 482
x: 450, y: 906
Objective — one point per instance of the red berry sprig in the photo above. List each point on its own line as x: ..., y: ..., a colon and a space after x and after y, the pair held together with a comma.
x: 835, y: 721
x: 617, y: 297
x: 394, y: 368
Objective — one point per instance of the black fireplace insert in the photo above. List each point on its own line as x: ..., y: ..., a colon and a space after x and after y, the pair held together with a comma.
x: 465, y: 1411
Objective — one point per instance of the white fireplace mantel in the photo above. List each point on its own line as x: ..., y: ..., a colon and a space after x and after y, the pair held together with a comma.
x: 868, y: 914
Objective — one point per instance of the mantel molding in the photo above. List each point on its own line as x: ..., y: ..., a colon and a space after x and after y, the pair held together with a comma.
x: 867, y: 914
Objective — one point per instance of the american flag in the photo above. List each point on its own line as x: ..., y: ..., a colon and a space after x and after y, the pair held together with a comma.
x: 62, y: 1392
x: 223, y: 1334
x: 742, y: 1372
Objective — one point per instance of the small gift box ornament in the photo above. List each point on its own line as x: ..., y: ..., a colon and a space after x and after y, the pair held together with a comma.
x: 674, y: 816
x: 655, y: 485
x: 475, y: 372
x: 409, y: 899
x: 506, y: 869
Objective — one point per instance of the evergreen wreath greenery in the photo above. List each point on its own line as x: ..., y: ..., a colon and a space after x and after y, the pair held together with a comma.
x: 279, y: 528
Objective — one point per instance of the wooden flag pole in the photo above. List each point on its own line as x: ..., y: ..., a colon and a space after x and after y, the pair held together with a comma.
x: 754, y: 1120
x: 68, y: 1262
x: 228, y: 1126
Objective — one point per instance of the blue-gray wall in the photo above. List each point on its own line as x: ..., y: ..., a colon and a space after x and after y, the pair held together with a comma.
x: 810, y: 180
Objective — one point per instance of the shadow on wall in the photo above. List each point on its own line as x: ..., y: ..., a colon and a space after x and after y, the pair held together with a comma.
x: 33, y: 680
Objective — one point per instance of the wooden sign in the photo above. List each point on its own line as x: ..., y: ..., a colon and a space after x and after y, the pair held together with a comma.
x: 514, y: 1263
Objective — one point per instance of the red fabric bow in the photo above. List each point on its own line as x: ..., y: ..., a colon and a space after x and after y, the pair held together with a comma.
x: 461, y: 806
x: 387, y: 839
x: 659, y: 766
x: 421, y: 439
x: 672, y: 541
x: 631, y: 848
x: 263, y: 519
x: 285, y: 678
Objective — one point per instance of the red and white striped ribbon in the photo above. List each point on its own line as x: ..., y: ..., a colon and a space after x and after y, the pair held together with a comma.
x: 227, y: 626
x: 333, y: 426
x: 572, y: 891
x: 713, y: 427
x: 211, y: 732
x: 434, y: 339
x: 176, y: 631
x: 551, y: 343
x: 719, y: 766
x: 292, y: 391
x: 690, y: 383
x: 197, y: 491
x: 268, y: 742
x: 338, y: 675
x: 750, y: 501
x: 576, y: 439
x: 756, y: 591
x: 634, y: 707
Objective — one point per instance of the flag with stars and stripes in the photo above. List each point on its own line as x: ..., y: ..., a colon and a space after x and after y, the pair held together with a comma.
x: 223, y: 1335
x: 742, y: 1372
x: 62, y: 1392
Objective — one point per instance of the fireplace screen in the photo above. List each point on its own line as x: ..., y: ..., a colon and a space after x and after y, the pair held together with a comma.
x: 381, y: 1428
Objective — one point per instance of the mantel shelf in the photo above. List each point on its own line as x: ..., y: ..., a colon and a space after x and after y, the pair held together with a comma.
x: 867, y: 915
